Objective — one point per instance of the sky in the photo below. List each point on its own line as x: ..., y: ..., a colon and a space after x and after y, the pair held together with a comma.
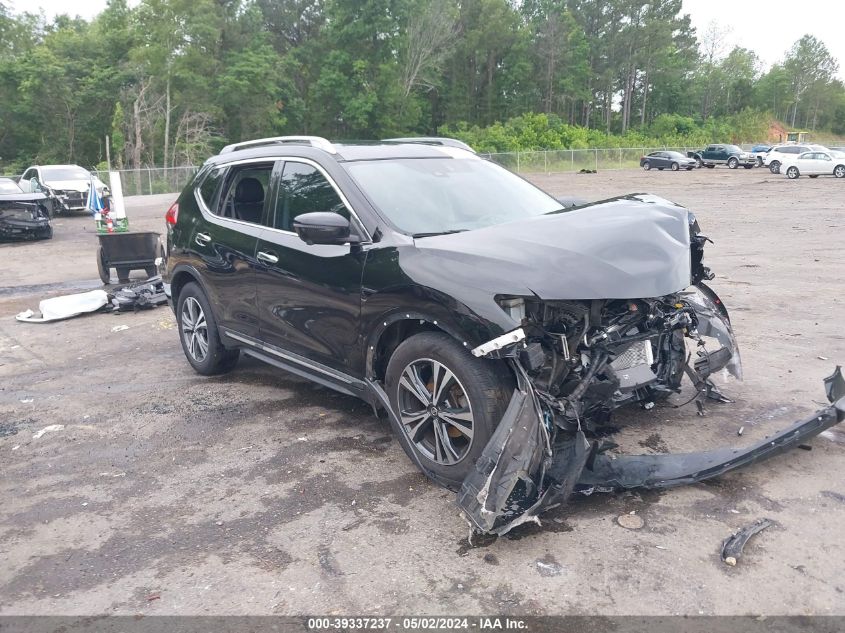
x: 771, y: 28
x: 768, y: 28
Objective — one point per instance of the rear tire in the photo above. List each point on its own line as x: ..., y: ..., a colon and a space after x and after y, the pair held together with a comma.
x: 792, y: 173
x: 199, y: 335
x: 839, y: 171
x: 479, y: 390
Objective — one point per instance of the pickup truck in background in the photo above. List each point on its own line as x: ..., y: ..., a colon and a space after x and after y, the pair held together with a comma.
x: 720, y: 154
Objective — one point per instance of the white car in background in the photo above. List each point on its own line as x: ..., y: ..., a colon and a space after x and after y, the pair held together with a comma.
x: 775, y: 157
x: 815, y: 164
x: 65, y: 185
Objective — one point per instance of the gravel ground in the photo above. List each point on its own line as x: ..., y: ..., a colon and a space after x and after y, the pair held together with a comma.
x: 258, y: 493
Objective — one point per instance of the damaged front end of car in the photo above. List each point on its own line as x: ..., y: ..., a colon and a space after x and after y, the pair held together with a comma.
x: 549, y: 442
x: 578, y: 361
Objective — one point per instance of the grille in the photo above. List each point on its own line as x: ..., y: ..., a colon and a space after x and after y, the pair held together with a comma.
x: 638, y: 354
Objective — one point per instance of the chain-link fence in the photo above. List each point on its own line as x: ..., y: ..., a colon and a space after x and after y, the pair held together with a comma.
x: 148, y: 181
x: 563, y: 160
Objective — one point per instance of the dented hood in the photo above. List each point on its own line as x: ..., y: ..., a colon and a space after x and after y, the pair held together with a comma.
x: 629, y: 247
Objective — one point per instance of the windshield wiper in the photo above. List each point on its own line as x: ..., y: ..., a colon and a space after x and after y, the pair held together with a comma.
x: 433, y: 233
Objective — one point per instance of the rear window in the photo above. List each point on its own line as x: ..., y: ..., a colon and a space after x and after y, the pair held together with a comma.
x: 9, y: 186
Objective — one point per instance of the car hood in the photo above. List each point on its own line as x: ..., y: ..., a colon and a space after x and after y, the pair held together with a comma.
x: 635, y: 246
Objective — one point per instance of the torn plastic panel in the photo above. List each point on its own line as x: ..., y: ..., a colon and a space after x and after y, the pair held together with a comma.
x: 536, y: 458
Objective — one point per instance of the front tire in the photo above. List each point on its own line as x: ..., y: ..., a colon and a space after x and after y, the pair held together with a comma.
x: 774, y: 167
x: 733, y: 163
x: 675, y: 166
x: 447, y: 404
x: 199, y: 335
x: 792, y: 173
x: 646, y: 166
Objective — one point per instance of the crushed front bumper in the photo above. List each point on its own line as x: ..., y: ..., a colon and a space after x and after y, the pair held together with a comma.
x: 23, y: 228
x: 522, y: 472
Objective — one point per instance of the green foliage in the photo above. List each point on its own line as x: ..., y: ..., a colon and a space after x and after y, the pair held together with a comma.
x: 531, y: 132
x: 172, y: 80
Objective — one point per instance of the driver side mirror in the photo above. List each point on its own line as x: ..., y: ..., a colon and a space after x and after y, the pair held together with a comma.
x: 324, y: 227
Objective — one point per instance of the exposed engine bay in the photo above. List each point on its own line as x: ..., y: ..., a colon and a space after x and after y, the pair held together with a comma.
x: 585, y: 359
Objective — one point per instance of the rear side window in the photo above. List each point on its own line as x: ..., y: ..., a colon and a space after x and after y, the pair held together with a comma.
x: 209, y: 186
x: 304, y: 189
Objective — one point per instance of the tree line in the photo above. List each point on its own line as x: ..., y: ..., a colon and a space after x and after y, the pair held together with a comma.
x: 171, y: 81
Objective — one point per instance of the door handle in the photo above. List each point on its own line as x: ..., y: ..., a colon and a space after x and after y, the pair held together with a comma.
x: 202, y: 239
x: 267, y: 258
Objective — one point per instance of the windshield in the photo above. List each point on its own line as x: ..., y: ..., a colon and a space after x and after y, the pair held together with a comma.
x: 9, y: 186
x: 64, y: 173
x: 423, y: 196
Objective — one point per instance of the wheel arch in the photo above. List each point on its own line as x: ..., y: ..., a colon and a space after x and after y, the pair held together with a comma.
x: 395, y: 328
x: 181, y: 277
x: 399, y: 325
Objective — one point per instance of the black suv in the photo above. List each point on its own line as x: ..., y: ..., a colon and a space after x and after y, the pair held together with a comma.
x: 497, y: 326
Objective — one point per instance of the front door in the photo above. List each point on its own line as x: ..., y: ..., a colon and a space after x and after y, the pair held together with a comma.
x: 309, y: 297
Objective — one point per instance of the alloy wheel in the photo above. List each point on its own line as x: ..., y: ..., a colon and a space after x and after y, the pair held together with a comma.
x: 194, y: 329
x: 839, y: 172
x: 435, y: 411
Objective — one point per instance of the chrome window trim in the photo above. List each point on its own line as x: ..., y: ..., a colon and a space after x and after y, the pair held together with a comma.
x: 221, y: 221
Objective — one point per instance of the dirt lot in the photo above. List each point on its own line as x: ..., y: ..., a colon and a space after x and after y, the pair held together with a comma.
x: 258, y: 493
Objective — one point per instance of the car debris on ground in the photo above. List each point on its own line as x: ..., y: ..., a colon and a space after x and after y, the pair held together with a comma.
x: 131, y: 298
x: 732, y: 546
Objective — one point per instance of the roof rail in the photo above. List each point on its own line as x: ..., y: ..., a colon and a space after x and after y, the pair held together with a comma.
x: 432, y: 140
x: 314, y: 141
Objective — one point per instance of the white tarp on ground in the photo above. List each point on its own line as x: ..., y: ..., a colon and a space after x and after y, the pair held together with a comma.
x: 65, y: 307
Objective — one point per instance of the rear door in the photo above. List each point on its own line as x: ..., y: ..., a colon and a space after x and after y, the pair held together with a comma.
x: 309, y: 297
x: 823, y: 163
x: 234, y: 200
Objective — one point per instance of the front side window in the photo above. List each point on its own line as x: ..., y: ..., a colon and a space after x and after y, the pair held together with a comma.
x: 304, y: 189
x: 423, y: 196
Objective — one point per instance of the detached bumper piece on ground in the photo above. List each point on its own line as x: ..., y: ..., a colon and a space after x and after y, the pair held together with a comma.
x: 531, y: 465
